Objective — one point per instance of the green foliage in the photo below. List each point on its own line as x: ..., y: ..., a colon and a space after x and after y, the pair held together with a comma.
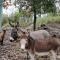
x: 45, y: 5
x: 14, y: 18
x: 49, y: 19
x: 20, y: 17
x: 5, y: 21
x: 42, y: 6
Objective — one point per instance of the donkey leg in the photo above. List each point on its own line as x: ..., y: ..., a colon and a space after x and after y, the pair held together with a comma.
x: 31, y: 56
x: 53, y: 55
x: 1, y: 42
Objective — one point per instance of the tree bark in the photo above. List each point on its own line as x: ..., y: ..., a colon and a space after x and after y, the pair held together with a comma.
x: 34, y: 10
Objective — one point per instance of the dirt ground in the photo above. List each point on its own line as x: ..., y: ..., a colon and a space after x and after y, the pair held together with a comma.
x: 11, y: 50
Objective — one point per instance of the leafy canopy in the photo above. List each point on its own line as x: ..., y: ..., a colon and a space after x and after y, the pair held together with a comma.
x: 43, y: 6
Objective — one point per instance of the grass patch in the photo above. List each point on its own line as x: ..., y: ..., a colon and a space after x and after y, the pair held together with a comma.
x: 26, y: 22
x: 45, y: 20
x: 49, y: 19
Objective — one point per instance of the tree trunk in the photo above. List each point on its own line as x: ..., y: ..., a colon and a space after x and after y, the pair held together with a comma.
x: 34, y: 27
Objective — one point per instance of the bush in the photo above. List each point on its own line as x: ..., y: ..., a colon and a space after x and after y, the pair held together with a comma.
x: 48, y: 19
